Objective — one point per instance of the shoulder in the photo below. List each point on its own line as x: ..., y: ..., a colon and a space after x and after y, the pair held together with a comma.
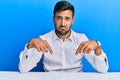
x: 80, y: 36
x: 47, y: 35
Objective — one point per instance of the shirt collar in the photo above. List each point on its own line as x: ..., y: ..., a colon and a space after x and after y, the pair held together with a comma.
x: 55, y: 37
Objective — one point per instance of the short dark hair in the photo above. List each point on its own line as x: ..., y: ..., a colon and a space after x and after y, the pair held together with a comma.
x: 63, y: 5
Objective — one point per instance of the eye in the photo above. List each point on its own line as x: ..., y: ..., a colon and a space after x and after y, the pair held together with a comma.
x: 67, y: 18
x: 58, y: 18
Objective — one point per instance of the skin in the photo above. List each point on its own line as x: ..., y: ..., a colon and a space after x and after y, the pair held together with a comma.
x: 63, y: 21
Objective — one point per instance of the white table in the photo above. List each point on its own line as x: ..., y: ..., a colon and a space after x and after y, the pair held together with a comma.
x: 7, y: 75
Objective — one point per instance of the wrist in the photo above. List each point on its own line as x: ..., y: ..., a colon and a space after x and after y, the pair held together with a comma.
x: 98, y: 48
x: 98, y: 43
x: 98, y: 51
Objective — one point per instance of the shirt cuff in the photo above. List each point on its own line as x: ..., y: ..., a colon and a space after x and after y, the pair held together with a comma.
x: 101, y: 57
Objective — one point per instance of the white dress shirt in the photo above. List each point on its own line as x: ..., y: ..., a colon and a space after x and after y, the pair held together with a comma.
x: 63, y: 58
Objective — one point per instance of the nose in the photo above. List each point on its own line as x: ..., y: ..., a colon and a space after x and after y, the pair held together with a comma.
x: 63, y: 22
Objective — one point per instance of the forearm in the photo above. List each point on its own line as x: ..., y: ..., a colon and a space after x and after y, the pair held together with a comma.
x: 29, y: 59
x: 100, y: 63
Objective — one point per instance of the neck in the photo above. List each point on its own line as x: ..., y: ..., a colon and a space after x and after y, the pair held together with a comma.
x: 65, y: 36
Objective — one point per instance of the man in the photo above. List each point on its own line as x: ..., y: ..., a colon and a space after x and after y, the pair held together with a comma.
x: 63, y: 49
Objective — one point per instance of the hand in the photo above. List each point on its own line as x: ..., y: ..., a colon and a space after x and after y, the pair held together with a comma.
x: 40, y: 45
x: 88, y: 46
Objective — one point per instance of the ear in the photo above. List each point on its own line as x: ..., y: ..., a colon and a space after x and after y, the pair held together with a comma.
x: 53, y: 18
x: 72, y: 20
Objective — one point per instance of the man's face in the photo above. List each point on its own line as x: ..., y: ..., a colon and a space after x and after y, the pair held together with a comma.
x: 63, y: 21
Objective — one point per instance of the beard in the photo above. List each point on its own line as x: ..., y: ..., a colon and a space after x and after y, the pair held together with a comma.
x: 62, y: 32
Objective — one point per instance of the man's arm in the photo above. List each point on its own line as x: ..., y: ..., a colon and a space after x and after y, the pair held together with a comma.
x: 100, y: 63
x: 32, y: 53
x: 29, y: 59
x: 94, y: 54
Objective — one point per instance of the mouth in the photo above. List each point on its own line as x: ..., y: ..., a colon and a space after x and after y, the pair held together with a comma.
x: 63, y: 27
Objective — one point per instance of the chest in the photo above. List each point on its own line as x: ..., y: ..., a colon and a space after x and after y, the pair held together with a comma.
x: 63, y: 51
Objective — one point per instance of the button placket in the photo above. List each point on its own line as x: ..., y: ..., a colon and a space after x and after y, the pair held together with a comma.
x: 63, y: 55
